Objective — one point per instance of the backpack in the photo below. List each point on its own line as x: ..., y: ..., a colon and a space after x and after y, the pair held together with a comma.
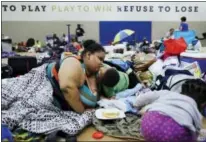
x: 162, y: 81
x: 6, y: 71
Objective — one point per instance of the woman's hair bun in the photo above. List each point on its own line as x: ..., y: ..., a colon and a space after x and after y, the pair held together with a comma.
x: 88, y: 42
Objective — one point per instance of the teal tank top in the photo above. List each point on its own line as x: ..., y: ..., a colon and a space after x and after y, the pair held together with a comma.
x: 86, y: 95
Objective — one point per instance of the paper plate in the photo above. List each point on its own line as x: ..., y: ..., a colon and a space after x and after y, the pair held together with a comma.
x: 102, y: 113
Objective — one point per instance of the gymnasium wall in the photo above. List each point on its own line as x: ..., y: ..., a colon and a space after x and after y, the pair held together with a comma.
x: 100, y: 20
x: 22, y: 30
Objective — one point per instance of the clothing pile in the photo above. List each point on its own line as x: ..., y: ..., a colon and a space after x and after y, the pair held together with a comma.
x: 127, y: 128
x: 164, y: 71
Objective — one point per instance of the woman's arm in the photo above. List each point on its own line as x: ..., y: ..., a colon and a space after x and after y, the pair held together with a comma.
x: 71, y: 77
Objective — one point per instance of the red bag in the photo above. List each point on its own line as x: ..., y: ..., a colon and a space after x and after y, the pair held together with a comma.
x: 175, y: 46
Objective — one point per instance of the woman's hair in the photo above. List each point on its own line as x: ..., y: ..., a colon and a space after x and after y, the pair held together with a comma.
x: 88, y: 42
x: 196, y: 89
x: 111, y: 77
x: 183, y: 19
x: 91, y: 47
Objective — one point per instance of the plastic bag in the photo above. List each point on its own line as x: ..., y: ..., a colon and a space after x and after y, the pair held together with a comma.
x: 143, y: 61
x: 175, y: 46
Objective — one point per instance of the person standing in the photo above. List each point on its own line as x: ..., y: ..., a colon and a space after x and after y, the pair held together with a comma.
x: 56, y: 40
x: 79, y: 33
x: 184, y: 25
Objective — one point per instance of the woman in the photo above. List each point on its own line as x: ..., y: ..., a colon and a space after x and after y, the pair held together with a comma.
x: 37, y: 101
x: 68, y: 78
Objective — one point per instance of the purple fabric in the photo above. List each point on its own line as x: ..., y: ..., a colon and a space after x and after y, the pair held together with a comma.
x: 161, y: 128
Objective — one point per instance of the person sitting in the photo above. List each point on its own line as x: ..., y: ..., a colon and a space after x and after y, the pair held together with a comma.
x: 170, y: 34
x: 184, y: 25
x: 144, y: 45
x: 76, y: 44
x: 64, y: 40
x: 30, y: 42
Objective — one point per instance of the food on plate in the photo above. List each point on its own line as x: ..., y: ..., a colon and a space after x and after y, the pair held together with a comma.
x: 111, y: 114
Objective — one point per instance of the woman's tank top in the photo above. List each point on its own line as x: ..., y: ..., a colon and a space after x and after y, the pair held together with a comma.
x: 86, y: 95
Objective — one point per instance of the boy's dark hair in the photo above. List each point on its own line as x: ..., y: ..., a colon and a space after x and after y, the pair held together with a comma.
x: 183, y: 19
x: 111, y: 77
x: 196, y: 89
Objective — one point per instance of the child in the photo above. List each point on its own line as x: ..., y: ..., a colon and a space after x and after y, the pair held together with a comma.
x: 183, y: 25
x: 114, y: 82
x: 172, y: 117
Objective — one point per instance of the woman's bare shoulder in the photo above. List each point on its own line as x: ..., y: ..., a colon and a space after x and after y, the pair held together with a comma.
x: 71, y: 72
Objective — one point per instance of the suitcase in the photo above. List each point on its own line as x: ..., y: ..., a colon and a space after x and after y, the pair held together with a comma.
x: 6, y: 71
x: 22, y: 64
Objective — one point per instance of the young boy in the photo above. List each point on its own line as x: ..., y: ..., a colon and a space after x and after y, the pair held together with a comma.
x: 183, y: 25
x: 118, y: 84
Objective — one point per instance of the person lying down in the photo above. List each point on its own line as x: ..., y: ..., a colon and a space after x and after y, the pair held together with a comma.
x: 118, y: 89
x: 172, y: 117
x: 117, y: 84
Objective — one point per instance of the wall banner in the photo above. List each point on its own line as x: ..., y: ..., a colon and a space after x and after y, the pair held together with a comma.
x: 103, y: 11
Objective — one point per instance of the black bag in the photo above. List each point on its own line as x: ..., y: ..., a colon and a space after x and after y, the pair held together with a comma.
x: 22, y: 64
x: 6, y: 71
